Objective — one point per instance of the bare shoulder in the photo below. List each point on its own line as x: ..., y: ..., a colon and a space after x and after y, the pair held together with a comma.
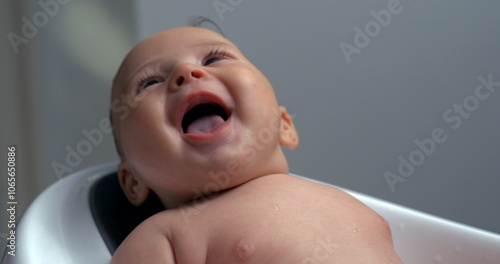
x: 148, y: 243
x: 340, y: 209
x: 339, y: 219
x: 358, y: 225
x: 345, y: 205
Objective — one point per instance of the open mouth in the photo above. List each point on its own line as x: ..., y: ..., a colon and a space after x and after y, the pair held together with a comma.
x: 204, y: 118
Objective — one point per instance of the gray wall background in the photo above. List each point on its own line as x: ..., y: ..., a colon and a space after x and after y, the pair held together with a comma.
x: 354, y: 118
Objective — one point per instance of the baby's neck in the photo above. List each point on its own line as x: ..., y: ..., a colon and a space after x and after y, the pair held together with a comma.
x: 199, y: 200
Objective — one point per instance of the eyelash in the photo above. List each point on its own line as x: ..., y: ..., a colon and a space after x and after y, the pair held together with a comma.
x: 145, y: 78
x: 217, y: 53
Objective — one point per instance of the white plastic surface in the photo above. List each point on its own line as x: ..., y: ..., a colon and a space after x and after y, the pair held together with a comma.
x: 58, y: 228
x: 421, y: 238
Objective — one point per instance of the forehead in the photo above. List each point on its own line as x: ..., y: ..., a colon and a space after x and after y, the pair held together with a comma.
x: 167, y: 44
x: 171, y: 43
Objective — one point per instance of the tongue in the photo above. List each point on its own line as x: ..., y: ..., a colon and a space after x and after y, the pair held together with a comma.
x: 205, y: 124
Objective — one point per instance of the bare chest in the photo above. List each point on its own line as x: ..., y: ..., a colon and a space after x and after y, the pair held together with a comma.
x: 275, y: 228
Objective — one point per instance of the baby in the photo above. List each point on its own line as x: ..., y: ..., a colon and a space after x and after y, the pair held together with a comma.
x: 203, y: 130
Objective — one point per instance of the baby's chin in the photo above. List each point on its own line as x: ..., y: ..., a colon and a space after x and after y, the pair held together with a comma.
x: 232, y: 177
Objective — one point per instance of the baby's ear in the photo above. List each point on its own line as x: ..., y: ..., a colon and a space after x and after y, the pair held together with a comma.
x: 135, y: 191
x: 288, y: 134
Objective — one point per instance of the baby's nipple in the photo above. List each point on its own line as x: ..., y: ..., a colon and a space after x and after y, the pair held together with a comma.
x: 244, y: 249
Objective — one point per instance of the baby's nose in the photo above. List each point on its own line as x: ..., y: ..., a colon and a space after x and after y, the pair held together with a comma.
x: 184, y: 74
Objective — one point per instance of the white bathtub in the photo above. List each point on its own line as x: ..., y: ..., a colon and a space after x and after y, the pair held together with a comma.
x: 59, y: 227
x: 421, y: 238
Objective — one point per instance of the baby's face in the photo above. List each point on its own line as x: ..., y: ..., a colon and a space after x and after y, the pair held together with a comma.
x: 202, y: 117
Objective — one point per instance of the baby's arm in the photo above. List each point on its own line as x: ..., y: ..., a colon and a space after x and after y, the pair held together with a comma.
x: 146, y: 244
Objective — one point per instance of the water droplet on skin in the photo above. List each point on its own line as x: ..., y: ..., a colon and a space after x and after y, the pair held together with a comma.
x: 354, y: 229
x: 276, y: 206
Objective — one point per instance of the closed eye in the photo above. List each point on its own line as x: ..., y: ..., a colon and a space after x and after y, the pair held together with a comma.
x: 150, y: 83
x: 215, y: 55
x: 210, y: 61
x: 147, y: 82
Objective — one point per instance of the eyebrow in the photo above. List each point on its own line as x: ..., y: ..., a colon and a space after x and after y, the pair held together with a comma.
x: 212, y: 43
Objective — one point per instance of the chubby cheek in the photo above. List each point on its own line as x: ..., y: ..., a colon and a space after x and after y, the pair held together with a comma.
x: 252, y: 92
x: 146, y: 136
x: 258, y: 110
